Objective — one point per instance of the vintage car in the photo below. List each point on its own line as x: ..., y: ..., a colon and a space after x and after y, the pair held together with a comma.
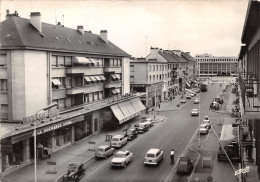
x: 118, y: 141
x: 104, y: 151
x: 196, y: 101
x: 148, y: 121
x: 143, y: 127
x: 131, y: 134
x: 122, y: 158
x: 188, y: 96
x: 185, y: 165
x: 75, y: 172
x: 207, y: 122
x: 195, y: 112
x: 203, y: 129
x: 183, y: 100
x: 153, y: 156
x: 215, y: 105
x: 219, y: 100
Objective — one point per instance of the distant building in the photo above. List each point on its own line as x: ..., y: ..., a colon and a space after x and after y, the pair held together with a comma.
x: 209, y: 65
x: 41, y: 64
x: 149, y: 77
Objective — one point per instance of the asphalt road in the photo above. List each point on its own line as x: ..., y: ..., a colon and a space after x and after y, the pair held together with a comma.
x: 175, y: 132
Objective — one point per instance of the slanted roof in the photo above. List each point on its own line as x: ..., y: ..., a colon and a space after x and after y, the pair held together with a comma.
x: 169, y: 56
x: 187, y: 56
x: 18, y: 33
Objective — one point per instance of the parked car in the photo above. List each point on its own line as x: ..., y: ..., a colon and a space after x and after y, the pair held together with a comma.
x: 122, y: 158
x: 196, y: 101
x: 104, y: 151
x: 188, y: 96
x: 183, y: 100
x: 207, y: 122
x: 75, y: 172
x: 185, y: 165
x: 143, y: 127
x: 203, y: 129
x: 132, y: 133
x: 195, y: 112
x: 118, y: 141
x: 214, y: 105
x: 153, y: 156
x: 148, y: 121
x: 219, y: 100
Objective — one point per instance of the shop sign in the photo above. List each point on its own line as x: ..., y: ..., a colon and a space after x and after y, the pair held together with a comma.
x: 53, y: 127
x: 51, y: 113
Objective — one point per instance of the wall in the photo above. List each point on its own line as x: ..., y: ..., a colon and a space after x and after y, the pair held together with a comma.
x: 140, y: 72
x: 16, y: 85
x: 126, y: 75
x: 36, y: 76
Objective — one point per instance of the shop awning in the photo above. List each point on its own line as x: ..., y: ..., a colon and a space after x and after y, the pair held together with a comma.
x: 56, y: 81
x: 82, y: 60
x: 130, y: 109
x: 118, y: 113
x: 93, y: 78
x: 102, y: 77
x: 114, y: 91
x: 118, y: 90
x: 137, y: 104
x: 123, y: 107
x: 114, y: 76
x: 93, y: 60
x: 98, y: 78
x: 118, y: 76
x: 87, y: 78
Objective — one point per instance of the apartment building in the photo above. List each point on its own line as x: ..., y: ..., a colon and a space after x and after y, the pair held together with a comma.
x: 149, y: 77
x: 41, y: 64
x: 209, y: 65
x: 249, y: 92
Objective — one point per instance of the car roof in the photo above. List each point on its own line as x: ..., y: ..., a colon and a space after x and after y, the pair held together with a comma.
x: 122, y: 151
x: 203, y: 125
x: 103, y: 146
x: 77, y: 163
x: 153, y: 151
x: 131, y: 129
x: 117, y: 136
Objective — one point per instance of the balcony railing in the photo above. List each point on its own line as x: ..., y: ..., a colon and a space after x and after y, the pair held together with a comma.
x: 113, y: 84
x: 86, y: 70
x: 110, y: 69
x: 250, y: 97
x: 85, y: 89
x: 58, y: 93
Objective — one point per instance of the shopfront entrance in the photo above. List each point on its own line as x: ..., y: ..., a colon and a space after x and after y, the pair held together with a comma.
x: 83, y: 128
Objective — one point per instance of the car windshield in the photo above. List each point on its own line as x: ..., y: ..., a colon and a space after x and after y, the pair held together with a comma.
x: 119, y: 155
x: 100, y: 149
x: 72, y: 168
x: 183, y: 162
x: 115, y: 139
x: 150, y: 155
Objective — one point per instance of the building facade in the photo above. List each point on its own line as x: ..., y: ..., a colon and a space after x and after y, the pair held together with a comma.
x: 149, y: 77
x: 209, y: 65
x: 249, y: 87
x: 85, y: 74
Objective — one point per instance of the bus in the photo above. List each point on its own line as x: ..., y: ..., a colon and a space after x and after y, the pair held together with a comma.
x: 203, y: 87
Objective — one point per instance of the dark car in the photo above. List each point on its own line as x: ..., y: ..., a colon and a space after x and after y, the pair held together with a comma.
x: 219, y: 100
x: 131, y: 133
x: 185, y: 165
x: 75, y: 172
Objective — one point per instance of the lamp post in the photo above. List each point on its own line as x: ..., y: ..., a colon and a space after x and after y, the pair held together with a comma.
x: 199, y: 120
x: 34, y: 131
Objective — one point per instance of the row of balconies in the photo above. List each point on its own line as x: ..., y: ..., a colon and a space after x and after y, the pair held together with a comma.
x: 92, y: 70
x: 62, y: 92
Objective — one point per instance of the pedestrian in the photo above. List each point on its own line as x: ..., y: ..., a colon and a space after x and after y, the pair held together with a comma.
x: 172, y: 156
x: 159, y: 106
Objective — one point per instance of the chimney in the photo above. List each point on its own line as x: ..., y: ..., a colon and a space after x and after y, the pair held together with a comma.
x: 35, y: 20
x: 80, y: 28
x: 103, y: 35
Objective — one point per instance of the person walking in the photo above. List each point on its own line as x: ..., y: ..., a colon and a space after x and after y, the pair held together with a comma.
x: 172, y: 156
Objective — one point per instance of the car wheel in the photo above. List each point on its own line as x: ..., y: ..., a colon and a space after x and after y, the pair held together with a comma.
x: 124, y: 165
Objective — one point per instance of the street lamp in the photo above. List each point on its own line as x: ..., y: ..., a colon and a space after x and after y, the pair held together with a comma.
x: 34, y: 131
x: 199, y: 120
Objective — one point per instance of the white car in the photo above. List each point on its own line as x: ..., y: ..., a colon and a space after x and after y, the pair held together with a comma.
x: 196, y: 101
x: 192, y: 94
x: 104, y: 151
x: 183, y: 100
x: 153, y: 156
x: 207, y: 122
x: 122, y: 158
x: 195, y: 112
x: 118, y: 141
x: 203, y: 129
x: 148, y: 121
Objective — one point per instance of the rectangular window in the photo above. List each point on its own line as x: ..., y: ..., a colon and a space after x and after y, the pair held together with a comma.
x: 68, y: 61
x: 68, y: 82
x: 150, y: 78
x: 156, y: 67
x: 61, y: 60
x: 132, y: 68
x: 54, y: 61
x: 131, y: 79
x: 153, y: 67
x: 101, y: 95
x: 3, y: 85
x: 3, y: 60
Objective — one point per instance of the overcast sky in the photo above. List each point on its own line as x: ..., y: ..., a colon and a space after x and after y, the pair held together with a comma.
x: 198, y: 26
